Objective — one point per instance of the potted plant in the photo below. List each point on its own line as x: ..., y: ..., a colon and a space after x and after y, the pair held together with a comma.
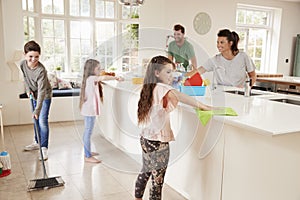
x: 58, y: 70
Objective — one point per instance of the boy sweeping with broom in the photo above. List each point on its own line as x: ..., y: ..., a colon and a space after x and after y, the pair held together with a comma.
x: 37, y: 84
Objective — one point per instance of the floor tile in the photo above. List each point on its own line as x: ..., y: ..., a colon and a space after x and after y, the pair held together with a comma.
x: 113, y: 179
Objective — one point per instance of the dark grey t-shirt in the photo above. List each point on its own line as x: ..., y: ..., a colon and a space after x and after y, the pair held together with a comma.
x: 36, y: 81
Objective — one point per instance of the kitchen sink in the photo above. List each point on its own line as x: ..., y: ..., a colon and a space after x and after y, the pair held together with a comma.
x: 289, y: 101
x: 242, y: 92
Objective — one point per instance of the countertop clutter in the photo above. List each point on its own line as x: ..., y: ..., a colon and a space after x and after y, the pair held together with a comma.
x: 263, y: 112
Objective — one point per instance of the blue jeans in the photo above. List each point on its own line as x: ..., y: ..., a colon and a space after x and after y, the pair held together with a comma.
x: 89, y: 122
x: 43, y: 125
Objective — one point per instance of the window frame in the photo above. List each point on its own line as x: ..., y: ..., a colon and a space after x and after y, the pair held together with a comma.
x: 67, y: 17
x: 266, y: 50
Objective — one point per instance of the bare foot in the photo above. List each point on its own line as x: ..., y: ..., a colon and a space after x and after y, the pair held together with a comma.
x: 95, y: 154
x: 92, y: 160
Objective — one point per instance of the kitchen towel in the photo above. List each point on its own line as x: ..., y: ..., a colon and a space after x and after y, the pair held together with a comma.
x: 205, y: 116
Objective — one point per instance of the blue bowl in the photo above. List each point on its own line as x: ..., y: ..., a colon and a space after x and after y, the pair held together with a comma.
x: 193, y: 90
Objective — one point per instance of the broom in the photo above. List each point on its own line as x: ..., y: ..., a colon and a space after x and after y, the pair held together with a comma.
x: 5, y: 164
x: 45, y: 182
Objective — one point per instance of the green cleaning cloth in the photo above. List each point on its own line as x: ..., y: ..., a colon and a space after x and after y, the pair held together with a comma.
x: 205, y: 116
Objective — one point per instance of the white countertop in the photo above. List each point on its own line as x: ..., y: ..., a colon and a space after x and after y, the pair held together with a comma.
x: 255, y: 113
x: 261, y: 115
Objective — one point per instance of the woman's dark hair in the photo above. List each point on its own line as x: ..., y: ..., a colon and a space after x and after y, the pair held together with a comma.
x: 231, y: 37
x: 178, y: 27
x: 32, y: 46
x: 157, y: 63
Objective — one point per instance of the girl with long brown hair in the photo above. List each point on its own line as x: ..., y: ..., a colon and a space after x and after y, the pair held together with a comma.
x: 90, y: 97
x: 157, y: 99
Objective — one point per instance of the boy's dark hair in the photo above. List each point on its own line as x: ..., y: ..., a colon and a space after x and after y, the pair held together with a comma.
x: 178, y: 27
x: 32, y: 46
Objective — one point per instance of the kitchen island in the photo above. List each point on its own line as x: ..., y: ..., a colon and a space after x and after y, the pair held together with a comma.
x: 255, y: 155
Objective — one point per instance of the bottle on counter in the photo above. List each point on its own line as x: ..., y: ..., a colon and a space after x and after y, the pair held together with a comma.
x: 247, y: 87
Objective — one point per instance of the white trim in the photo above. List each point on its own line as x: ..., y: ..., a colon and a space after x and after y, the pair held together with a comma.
x: 117, y: 20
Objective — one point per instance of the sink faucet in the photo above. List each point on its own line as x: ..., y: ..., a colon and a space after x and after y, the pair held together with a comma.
x: 247, y: 85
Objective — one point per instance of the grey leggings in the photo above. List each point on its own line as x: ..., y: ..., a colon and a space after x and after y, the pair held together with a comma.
x: 155, y: 162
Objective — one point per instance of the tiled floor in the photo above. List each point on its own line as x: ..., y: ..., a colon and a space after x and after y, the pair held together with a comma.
x: 113, y: 179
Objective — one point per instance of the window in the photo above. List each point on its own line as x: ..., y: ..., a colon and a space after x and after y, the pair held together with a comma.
x: 105, y: 42
x: 80, y: 8
x: 53, y: 7
x: 28, y: 20
x: 80, y: 43
x: 54, y: 43
x: 130, y: 34
x: 254, y: 26
x: 29, y: 33
x: 105, y: 9
x: 70, y: 31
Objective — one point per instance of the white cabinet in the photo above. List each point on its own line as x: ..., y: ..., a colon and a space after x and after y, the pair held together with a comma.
x: 61, y: 109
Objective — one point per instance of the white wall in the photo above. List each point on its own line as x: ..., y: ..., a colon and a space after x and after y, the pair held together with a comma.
x: 1, y: 45
x: 223, y: 16
x: 12, y: 33
x: 11, y: 39
x: 289, y: 29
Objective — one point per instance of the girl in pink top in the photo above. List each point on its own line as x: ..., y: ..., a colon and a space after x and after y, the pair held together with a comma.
x: 157, y: 100
x: 90, y: 97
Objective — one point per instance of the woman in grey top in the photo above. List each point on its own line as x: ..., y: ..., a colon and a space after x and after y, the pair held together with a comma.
x: 37, y: 84
x: 230, y: 66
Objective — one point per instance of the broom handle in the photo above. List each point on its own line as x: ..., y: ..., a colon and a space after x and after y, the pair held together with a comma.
x: 37, y: 133
x: 2, y: 131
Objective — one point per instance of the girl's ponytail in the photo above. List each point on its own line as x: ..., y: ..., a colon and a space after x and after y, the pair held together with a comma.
x: 235, y: 41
